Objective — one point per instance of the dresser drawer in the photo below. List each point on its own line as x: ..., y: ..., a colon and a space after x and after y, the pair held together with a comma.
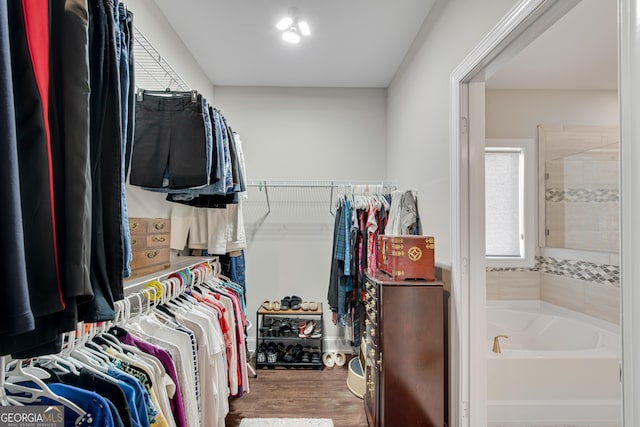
x: 158, y: 240
x: 158, y: 225
x: 150, y: 244
x: 149, y: 225
x: 149, y: 257
x: 138, y: 225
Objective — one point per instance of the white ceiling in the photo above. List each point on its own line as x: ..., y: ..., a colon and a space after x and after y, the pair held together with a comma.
x: 361, y: 43
x: 354, y: 43
x: 577, y: 52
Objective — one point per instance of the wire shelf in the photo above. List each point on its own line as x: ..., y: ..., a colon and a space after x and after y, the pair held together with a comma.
x: 152, y: 71
x: 310, y: 195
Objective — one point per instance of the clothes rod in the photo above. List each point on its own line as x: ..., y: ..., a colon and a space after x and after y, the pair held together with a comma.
x: 135, y: 284
x: 318, y: 184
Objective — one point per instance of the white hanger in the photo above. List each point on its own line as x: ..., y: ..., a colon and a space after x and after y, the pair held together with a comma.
x: 4, y: 399
x: 150, y: 303
x: 54, y: 361
x: 19, y: 374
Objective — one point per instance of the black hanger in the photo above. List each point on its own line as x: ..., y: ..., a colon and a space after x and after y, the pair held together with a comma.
x: 165, y: 310
x: 117, y: 331
x: 167, y: 92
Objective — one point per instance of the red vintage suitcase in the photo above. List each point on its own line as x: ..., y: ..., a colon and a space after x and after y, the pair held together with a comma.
x: 407, y: 257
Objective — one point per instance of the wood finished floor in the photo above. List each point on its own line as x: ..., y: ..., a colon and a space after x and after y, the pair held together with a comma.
x: 299, y: 393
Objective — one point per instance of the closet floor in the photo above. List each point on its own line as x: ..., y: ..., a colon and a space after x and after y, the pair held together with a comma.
x: 299, y: 393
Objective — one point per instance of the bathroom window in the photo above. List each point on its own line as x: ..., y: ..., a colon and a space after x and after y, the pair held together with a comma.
x: 509, y: 202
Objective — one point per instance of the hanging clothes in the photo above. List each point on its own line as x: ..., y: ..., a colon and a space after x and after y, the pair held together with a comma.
x: 172, y: 364
x: 16, y: 315
x: 358, y: 221
x: 403, y: 215
x: 68, y: 92
x: 202, y: 171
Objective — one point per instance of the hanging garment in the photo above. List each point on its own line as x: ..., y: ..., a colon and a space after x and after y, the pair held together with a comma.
x: 29, y: 55
x: 69, y: 113
x: 357, y: 224
x: 176, y: 399
x: 403, y: 214
x: 29, y: 63
x: 170, y: 148
x: 107, y: 259
x: 15, y: 309
x: 123, y: 44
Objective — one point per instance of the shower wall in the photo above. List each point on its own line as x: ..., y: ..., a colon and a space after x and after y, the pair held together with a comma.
x: 582, y: 280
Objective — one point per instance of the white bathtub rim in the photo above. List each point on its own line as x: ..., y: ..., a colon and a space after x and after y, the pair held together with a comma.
x: 538, y: 306
x: 597, y: 353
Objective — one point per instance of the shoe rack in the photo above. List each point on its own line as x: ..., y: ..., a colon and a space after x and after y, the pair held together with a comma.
x: 289, y: 338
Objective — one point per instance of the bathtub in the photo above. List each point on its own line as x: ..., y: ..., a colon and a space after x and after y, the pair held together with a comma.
x: 558, y: 367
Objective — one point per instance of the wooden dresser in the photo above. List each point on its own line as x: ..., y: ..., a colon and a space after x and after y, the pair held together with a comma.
x: 404, y: 353
x: 150, y: 244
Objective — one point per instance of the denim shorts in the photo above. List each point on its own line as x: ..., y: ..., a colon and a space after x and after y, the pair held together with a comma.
x: 170, y: 135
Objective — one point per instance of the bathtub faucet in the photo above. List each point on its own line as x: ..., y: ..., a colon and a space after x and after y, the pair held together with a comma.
x: 496, y: 343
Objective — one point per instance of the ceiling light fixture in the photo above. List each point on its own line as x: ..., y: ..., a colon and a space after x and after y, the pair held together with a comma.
x: 284, y: 23
x: 291, y: 36
x: 304, y: 28
x: 293, y: 28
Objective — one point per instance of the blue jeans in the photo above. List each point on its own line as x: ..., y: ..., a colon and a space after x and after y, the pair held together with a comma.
x: 222, y: 138
x: 122, y: 52
x: 209, y: 135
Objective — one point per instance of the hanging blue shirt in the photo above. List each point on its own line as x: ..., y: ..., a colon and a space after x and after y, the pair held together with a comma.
x: 97, y: 408
x: 142, y: 400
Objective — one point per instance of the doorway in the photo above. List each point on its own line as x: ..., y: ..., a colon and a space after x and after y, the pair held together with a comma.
x: 526, y: 21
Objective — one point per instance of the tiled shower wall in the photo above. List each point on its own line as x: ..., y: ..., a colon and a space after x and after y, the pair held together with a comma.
x: 587, y: 287
x: 582, y: 200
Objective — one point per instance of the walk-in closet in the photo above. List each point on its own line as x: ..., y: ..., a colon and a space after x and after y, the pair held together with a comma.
x: 300, y: 213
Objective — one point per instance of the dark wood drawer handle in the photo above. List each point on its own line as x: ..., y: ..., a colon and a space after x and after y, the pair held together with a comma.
x: 133, y: 242
x: 158, y: 239
x: 152, y: 254
x: 134, y: 225
x: 159, y: 225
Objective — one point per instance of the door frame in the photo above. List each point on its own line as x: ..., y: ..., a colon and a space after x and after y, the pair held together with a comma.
x: 522, y: 24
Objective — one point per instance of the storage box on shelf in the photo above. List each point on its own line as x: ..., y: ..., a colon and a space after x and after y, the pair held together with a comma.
x: 407, y: 257
x: 279, y: 341
x: 150, y: 245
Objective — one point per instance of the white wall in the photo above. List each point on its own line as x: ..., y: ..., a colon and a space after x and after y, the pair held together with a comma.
x: 301, y: 134
x: 418, y: 110
x: 308, y: 133
x: 517, y: 113
x: 148, y: 18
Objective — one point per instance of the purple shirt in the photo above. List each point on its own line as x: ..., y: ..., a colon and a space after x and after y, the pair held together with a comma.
x: 177, y: 406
